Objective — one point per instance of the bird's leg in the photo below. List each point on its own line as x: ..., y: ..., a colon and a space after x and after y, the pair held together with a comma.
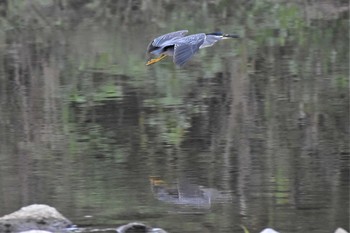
x: 155, y: 60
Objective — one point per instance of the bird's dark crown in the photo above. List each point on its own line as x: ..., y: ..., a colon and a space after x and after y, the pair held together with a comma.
x: 215, y: 33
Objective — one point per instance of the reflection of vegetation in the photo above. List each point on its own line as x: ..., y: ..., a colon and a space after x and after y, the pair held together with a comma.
x: 95, y: 67
x: 105, y: 92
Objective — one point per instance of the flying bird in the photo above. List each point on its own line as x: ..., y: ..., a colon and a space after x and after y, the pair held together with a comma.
x: 181, y: 46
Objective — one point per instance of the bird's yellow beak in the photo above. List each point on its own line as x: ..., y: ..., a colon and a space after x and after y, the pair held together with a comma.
x: 155, y: 60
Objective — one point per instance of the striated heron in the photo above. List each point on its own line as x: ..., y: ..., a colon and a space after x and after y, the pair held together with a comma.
x: 182, y: 47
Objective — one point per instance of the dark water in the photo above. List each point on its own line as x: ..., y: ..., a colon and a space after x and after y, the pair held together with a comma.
x: 252, y: 132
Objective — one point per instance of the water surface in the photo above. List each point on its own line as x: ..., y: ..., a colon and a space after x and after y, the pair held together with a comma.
x: 251, y: 132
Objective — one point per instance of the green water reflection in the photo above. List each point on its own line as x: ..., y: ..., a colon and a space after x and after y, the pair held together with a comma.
x: 264, y: 120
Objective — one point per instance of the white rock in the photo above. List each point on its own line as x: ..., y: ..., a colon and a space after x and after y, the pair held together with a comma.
x: 34, y: 217
x: 340, y: 230
x: 35, y: 211
x: 269, y: 230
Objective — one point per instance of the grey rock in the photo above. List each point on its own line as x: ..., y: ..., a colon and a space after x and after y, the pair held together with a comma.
x: 35, y: 231
x: 34, y: 217
x: 136, y: 227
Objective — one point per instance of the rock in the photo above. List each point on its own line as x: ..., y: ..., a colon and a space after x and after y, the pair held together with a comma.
x: 340, y: 230
x: 269, y: 230
x: 35, y: 231
x: 34, y: 217
x: 136, y: 227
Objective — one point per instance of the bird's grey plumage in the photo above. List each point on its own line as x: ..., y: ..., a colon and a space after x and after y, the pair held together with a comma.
x: 186, y: 47
x: 210, y: 40
x: 172, y: 35
x: 165, y: 39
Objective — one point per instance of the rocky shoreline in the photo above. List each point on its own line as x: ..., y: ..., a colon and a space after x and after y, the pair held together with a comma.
x: 38, y: 218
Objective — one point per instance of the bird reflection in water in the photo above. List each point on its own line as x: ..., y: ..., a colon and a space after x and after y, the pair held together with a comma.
x: 182, y: 192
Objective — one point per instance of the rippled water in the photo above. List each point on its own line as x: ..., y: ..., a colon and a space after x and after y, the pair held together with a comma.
x: 251, y: 132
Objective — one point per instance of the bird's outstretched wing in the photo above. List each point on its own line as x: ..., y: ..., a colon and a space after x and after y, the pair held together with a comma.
x: 186, y: 47
x: 159, y: 41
